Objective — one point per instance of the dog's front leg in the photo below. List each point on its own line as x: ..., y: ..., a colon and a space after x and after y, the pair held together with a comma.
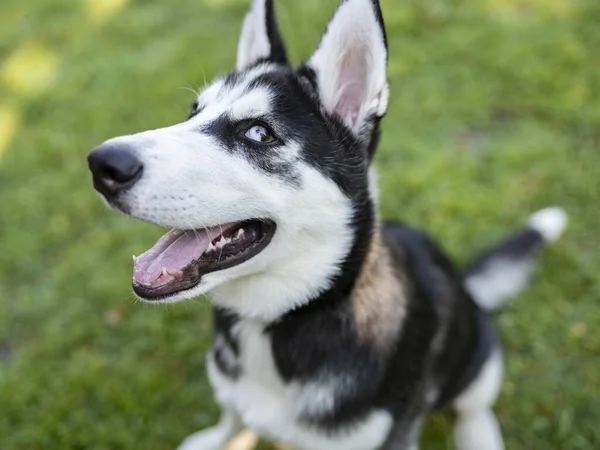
x: 214, y: 438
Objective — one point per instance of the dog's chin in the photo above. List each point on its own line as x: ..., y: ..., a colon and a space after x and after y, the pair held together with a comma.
x: 175, y: 265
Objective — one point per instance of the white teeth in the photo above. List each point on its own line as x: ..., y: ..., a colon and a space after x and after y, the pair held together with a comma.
x: 165, y: 272
x: 134, y: 257
x: 240, y: 233
x: 223, y: 241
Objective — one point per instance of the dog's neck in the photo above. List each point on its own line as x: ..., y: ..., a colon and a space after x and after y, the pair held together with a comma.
x: 372, y: 294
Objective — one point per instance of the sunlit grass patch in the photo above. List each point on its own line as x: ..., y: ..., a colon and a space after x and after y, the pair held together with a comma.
x: 30, y: 69
x: 223, y: 3
x: 533, y: 8
x: 9, y: 124
x: 100, y: 11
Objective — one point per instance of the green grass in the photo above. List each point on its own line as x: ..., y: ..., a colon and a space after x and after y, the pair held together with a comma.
x: 495, y: 112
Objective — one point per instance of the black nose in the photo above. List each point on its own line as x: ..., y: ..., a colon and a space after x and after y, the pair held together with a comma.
x: 115, y: 168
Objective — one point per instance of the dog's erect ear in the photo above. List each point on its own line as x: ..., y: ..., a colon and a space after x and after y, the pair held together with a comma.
x: 260, y: 39
x: 350, y: 63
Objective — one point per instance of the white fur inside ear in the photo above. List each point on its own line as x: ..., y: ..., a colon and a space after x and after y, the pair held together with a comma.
x: 254, y: 41
x: 350, y: 64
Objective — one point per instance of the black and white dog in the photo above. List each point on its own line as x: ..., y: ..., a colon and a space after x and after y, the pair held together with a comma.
x: 333, y: 331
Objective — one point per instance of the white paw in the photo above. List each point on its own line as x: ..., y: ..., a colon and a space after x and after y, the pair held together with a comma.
x: 209, y: 439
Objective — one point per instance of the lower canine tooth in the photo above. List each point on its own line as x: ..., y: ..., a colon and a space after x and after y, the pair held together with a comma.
x: 240, y: 232
x: 164, y: 272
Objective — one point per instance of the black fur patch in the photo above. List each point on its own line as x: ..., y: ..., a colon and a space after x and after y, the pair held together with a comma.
x: 224, y: 321
x: 278, y: 54
x: 379, y: 17
x: 524, y: 245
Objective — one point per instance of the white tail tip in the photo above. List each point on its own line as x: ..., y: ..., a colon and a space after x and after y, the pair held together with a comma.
x: 549, y: 222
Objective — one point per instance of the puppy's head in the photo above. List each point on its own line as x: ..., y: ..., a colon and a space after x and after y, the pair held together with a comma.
x: 265, y: 187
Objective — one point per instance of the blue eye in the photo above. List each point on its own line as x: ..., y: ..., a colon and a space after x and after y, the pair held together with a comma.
x: 259, y: 133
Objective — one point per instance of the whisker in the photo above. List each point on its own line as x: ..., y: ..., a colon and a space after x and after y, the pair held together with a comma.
x: 191, y: 89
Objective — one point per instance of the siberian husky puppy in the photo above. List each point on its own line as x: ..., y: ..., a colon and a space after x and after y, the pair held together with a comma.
x: 333, y: 330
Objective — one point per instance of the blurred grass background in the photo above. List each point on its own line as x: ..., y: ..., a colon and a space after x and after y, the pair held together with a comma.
x: 494, y: 113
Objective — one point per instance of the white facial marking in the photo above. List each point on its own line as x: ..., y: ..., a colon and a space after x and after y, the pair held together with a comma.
x: 255, y: 103
x: 237, y: 100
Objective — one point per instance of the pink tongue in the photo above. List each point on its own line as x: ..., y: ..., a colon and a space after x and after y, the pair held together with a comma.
x: 173, y: 252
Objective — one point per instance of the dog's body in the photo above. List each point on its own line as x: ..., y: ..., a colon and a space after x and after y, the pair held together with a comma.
x: 375, y: 359
x: 332, y: 331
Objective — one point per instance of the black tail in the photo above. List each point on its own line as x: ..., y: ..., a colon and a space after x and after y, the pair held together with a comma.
x: 504, y: 270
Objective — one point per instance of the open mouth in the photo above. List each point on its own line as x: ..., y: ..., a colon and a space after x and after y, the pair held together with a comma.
x: 180, y: 258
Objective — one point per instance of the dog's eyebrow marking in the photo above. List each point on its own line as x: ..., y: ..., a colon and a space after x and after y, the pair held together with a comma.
x: 256, y: 102
x: 379, y: 298
x: 211, y: 93
x: 217, y: 98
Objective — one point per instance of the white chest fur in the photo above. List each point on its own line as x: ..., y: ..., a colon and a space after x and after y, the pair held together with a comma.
x: 269, y: 406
